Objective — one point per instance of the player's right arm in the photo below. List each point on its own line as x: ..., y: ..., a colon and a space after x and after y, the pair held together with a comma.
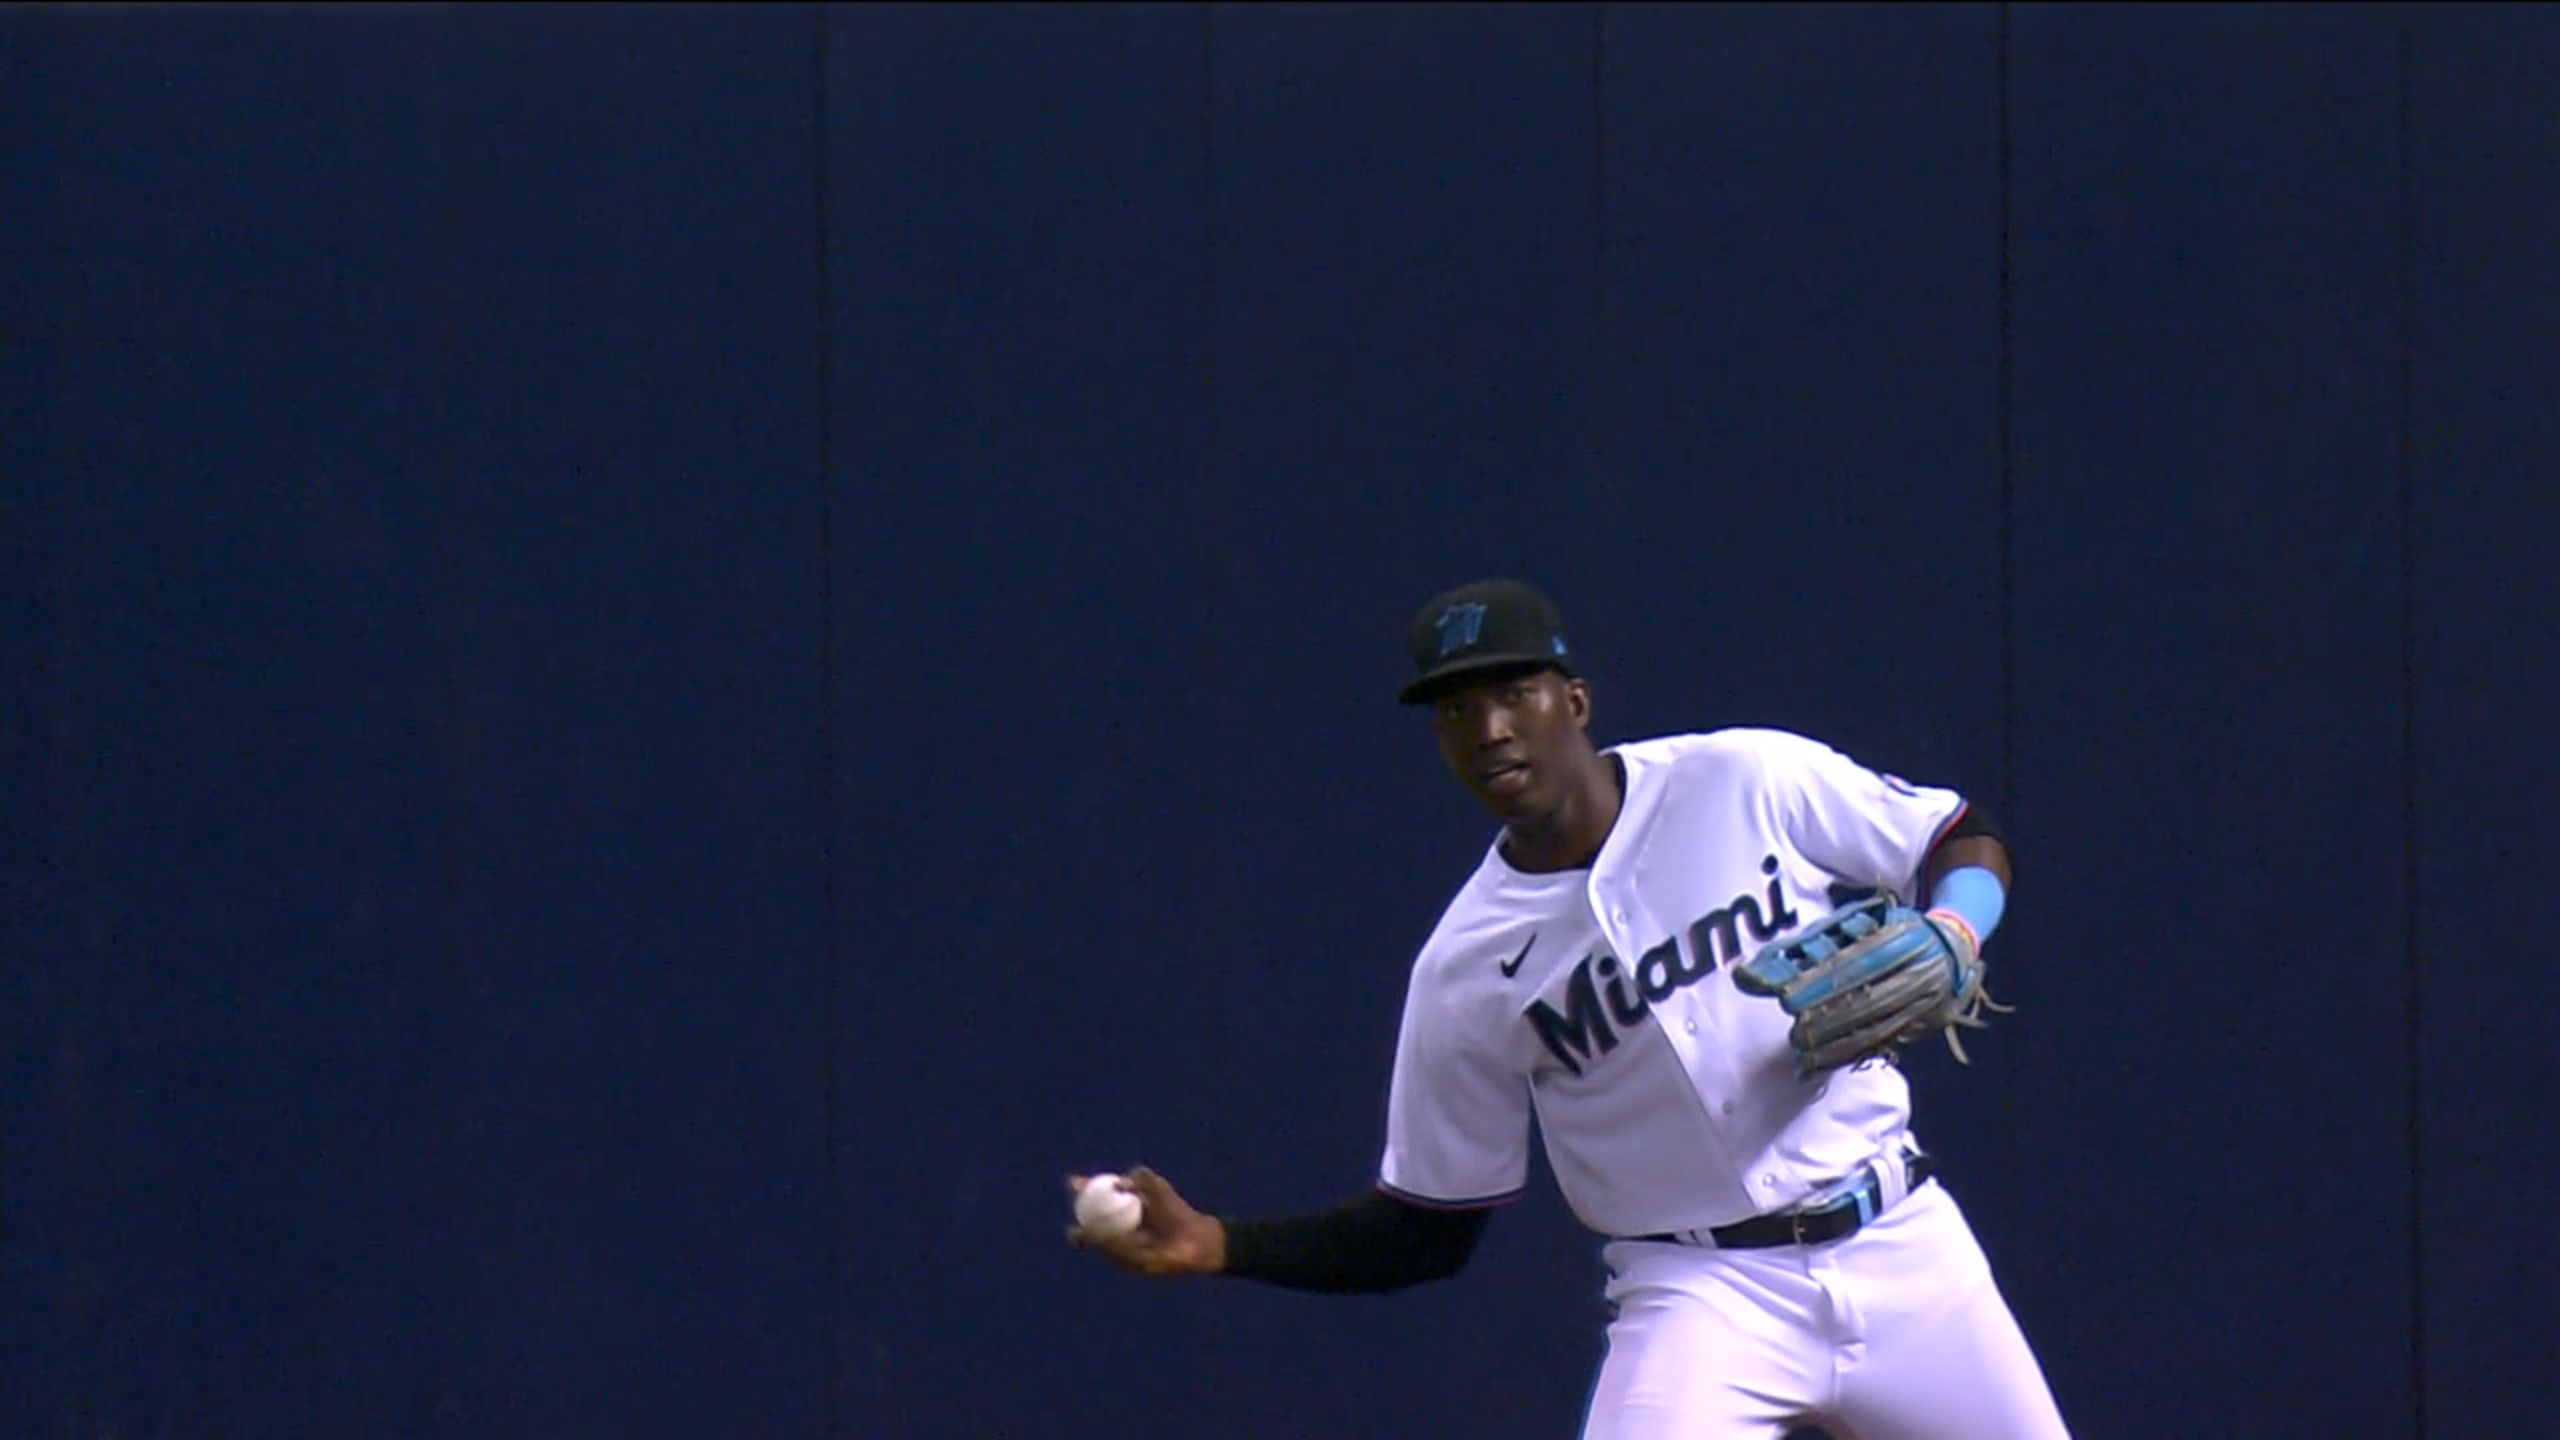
x: 1457, y: 1146
x: 1370, y: 1245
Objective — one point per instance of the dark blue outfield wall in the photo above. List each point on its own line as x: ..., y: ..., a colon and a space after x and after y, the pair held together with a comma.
x: 659, y: 659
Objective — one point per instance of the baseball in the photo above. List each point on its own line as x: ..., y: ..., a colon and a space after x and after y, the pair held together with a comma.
x: 1105, y: 1209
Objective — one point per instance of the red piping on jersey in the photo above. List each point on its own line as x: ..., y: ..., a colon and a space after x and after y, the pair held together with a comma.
x: 1963, y: 809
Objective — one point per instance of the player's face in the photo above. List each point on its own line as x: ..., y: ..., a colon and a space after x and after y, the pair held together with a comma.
x: 1514, y: 740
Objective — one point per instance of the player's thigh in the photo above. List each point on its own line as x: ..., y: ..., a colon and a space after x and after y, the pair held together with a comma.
x: 1706, y: 1355
x: 1945, y: 1358
x: 1970, y: 1377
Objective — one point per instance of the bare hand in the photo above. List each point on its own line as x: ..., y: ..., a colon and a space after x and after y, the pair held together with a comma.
x: 1171, y: 1238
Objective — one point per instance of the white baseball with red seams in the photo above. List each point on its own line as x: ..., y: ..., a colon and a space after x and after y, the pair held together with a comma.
x: 1598, y: 1003
x: 1107, y: 1209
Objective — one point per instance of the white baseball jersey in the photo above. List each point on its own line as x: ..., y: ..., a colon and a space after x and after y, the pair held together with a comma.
x: 1598, y: 1001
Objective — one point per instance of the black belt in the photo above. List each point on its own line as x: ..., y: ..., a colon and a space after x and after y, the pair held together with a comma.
x: 1834, y: 1219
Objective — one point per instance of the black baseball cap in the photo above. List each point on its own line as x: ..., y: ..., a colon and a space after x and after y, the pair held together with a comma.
x: 1483, y: 626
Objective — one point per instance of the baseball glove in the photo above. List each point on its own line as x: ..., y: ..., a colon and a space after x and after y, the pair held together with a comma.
x: 1869, y: 978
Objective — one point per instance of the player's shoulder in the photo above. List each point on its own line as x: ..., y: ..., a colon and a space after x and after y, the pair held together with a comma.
x: 1720, y: 750
x: 1771, y: 758
x: 1480, y: 903
x: 1492, y: 903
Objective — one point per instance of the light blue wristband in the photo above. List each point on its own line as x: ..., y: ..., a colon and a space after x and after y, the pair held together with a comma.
x: 1973, y: 895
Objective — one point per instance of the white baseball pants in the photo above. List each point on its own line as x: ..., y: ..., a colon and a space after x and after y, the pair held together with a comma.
x: 1896, y: 1333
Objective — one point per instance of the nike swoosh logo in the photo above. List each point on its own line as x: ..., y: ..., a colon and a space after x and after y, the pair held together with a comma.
x: 1511, y: 966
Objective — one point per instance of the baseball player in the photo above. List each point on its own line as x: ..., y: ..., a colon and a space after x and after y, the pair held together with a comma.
x: 1690, y: 960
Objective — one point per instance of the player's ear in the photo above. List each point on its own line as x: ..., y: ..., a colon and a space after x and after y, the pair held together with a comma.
x: 1577, y: 699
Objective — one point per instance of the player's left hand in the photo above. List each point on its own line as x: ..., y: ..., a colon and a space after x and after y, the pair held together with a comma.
x: 1867, y: 979
x: 1172, y: 1239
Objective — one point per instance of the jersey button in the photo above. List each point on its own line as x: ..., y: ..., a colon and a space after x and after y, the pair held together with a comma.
x: 1728, y: 1107
x: 1693, y: 1027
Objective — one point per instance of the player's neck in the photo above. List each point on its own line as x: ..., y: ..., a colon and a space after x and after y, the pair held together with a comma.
x: 1570, y: 837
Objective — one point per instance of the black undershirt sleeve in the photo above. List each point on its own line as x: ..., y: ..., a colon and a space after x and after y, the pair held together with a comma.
x: 1369, y: 1246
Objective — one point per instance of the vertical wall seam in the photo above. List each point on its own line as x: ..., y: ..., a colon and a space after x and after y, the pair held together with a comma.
x: 2004, y: 422
x: 2412, y: 977
x: 2004, y: 419
x: 1212, y: 382
x: 830, y: 1307
x: 1598, y: 392
x: 1212, y: 512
